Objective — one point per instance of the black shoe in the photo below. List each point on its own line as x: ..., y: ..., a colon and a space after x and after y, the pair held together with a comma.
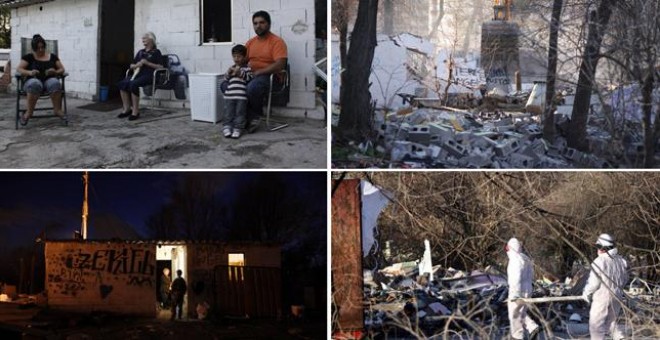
x: 124, y: 114
x: 23, y: 120
x: 134, y: 117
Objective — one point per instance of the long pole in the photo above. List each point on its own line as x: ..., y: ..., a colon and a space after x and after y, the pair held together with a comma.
x: 550, y: 299
x: 85, y: 210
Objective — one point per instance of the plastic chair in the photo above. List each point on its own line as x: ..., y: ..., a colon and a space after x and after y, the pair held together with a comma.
x: 278, y: 95
x: 51, y: 47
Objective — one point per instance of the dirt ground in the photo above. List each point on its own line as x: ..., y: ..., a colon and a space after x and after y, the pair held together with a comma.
x: 159, y: 139
x: 42, y: 323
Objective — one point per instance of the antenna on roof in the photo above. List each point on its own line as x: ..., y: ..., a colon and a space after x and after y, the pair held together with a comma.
x: 85, y: 209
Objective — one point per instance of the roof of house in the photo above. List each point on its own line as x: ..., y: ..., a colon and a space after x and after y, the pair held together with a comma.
x: 20, y: 3
x: 162, y: 242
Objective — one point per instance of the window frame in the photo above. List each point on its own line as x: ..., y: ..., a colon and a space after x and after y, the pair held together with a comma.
x: 236, y: 265
x: 201, y: 26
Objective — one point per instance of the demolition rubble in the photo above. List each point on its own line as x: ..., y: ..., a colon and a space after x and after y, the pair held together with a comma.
x: 503, y: 131
x: 418, y: 299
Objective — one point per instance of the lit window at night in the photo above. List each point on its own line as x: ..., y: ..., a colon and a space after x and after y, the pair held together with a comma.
x: 236, y: 260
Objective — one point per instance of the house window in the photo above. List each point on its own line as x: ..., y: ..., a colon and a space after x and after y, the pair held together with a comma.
x: 235, y: 271
x: 237, y: 260
x: 216, y: 21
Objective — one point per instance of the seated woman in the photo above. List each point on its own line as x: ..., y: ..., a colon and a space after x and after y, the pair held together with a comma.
x: 144, y: 64
x: 41, y: 70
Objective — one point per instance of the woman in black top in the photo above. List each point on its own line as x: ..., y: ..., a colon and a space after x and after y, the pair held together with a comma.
x: 41, y: 70
x: 146, y: 61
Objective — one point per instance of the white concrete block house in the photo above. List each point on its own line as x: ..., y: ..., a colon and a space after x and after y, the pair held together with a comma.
x: 98, y: 38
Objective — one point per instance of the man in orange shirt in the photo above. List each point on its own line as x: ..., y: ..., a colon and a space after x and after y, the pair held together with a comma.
x: 267, y: 54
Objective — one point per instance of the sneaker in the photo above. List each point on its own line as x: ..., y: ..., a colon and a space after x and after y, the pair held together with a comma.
x: 226, y: 132
x: 254, y: 124
x: 236, y: 133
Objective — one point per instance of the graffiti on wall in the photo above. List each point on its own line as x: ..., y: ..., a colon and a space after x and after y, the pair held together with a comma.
x: 497, y: 76
x: 125, y: 261
x: 76, y: 270
x: 467, y: 76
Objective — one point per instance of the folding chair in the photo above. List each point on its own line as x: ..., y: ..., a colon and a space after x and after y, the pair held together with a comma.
x: 51, y: 47
x: 167, y: 78
x: 161, y: 79
x: 278, y: 95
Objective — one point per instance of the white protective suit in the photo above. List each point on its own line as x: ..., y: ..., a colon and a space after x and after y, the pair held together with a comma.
x: 612, y: 269
x: 520, y: 276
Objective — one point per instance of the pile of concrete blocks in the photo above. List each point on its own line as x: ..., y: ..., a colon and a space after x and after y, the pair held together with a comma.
x: 444, y: 139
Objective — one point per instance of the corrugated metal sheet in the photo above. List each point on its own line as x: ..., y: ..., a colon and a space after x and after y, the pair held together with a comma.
x: 21, y: 3
x: 251, y: 291
x: 347, y: 254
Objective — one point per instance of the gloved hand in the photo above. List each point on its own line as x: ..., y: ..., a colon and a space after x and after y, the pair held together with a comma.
x: 586, y: 298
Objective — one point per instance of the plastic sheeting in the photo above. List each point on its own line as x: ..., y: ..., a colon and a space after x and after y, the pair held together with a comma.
x: 536, y: 100
x: 626, y: 103
x: 373, y: 202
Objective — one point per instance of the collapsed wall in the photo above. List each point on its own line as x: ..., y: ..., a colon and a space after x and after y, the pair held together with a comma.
x: 500, y: 53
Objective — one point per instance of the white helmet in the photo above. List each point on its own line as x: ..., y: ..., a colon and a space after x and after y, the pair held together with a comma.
x: 605, y: 240
x: 575, y: 317
x: 514, y: 244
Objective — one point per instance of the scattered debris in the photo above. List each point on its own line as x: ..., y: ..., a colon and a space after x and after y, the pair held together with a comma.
x: 408, y: 299
x: 498, y: 130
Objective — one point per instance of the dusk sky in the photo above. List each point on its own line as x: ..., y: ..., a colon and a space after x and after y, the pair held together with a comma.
x: 34, y: 201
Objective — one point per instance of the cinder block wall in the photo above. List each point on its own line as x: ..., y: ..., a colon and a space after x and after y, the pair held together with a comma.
x: 74, y: 24
x: 176, y: 24
x: 101, y: 276
x: 202, y: 258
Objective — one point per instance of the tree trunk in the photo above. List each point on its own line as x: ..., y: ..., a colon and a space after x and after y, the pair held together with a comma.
x: 438, y: 20
x: 356, y: 110
x: 577, y: 131
x: 549, y: 121
x: 647, y: 110
x: 343, y: 47
x: 388, y: 17
x: 477, y: 8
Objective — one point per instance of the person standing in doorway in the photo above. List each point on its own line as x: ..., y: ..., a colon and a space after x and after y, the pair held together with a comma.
x: 179, y: 288
x: 165, y: 283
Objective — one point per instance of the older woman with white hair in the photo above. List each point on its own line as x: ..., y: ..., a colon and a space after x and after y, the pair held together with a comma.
x: 146, y: 61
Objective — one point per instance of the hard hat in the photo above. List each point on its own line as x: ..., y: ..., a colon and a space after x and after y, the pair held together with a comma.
x: 575, y: 317
x: 514, y: 244
x: 605, y: 240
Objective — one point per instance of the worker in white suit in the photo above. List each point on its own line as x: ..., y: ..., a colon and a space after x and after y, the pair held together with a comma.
x: 520, y: 276
x: 604, y: 288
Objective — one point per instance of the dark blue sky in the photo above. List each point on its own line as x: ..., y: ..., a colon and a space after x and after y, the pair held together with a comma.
x: 36, y: 201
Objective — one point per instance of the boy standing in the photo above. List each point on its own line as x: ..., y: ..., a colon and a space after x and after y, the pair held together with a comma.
x: 236, y: 94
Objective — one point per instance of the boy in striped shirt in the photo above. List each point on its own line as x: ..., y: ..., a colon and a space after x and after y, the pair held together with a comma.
x: 236, y: 94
